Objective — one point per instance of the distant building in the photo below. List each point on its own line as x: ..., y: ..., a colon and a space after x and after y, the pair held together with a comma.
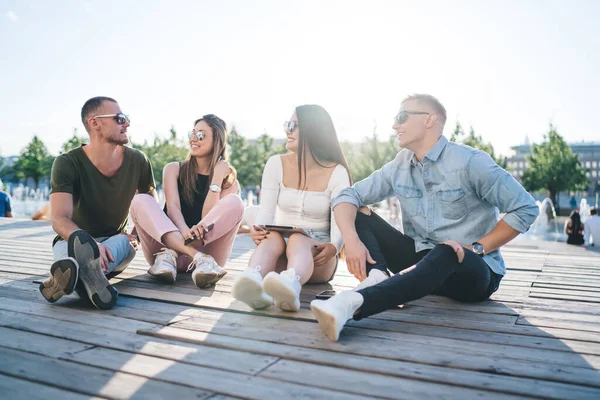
x: 588, y: 153
x: 589, y: 157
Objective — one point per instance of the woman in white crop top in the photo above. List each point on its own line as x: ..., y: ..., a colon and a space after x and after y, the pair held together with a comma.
x: 297, y: 189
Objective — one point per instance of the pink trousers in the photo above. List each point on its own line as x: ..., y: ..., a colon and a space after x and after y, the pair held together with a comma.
x: 152, y: 223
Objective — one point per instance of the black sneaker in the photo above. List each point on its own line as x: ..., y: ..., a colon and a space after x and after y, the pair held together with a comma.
x: 62, y: 280
x: 83, y: 248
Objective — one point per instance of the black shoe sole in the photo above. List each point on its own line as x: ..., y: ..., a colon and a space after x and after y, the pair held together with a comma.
x: 83, y: 248
x: 62, y: 280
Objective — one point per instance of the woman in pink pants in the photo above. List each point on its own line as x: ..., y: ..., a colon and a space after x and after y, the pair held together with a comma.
x: 202, y: 204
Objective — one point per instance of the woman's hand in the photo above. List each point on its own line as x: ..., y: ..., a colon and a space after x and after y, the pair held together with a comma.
x: 325, y: 251
x: 258, y: 234
x: 222, y: 169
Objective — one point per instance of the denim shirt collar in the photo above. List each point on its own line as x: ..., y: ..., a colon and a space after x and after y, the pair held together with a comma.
x: 434, y: 153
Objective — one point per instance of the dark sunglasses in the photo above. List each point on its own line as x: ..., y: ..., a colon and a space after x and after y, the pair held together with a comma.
x: 403, y: 115
x: 198, y: 135
x: 120, y: 118
x: 290, y: 126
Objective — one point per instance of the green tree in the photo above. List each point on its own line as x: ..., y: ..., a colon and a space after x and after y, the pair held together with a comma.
x: 476, y: 141
x: 553, y: 167
x: 34, y: 162
x: 249, y: 159
x: 370, y: 155
x: 74, y: 142
x: 162, y: 151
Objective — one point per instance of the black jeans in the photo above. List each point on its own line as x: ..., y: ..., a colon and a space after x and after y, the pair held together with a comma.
x: 437, y: 270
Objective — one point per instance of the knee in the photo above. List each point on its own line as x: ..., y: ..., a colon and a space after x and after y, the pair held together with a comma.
x: 362, y: 217
x: 140, y: 200
x: 441, y: 250
x: 234, y: 205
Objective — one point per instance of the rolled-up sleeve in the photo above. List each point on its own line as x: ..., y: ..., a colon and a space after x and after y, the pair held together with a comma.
x: 498, y: 188
x: 376, y: 187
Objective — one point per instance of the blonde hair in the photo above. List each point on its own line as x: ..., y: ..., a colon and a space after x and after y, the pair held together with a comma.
x: 440, y: 111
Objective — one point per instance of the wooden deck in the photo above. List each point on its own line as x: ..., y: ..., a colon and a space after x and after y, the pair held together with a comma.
x: 539, y: 336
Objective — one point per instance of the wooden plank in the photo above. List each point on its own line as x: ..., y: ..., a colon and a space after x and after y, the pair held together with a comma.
x: 90, y: 380
x: 13, y: 388
x: 206, y: 378
x: 25, y: 291
x: 228, y: 360
x: 517, y: 362
x: 499, y: 379
x: 69, y: 314
x: 44, y: 345
x: 374, y: 385
x: 554, y: 323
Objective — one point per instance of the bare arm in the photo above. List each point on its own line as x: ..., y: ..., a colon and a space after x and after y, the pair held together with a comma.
x: 498, y: 237
x: 357, y: 254
x: 61, y: 214
x: 345, y: 215
x: 221, y: 171
x: 170, y: 174
x: 8, y: 214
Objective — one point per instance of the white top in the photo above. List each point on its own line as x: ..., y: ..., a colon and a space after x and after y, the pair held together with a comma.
x: 591, y: 230
x: 305, y: 209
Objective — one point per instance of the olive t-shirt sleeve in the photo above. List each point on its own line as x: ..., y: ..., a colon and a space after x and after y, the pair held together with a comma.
x: 146, y: 183
x: 63, y: 176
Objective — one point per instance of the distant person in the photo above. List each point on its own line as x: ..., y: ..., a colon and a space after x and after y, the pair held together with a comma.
x: 43, y: 214
x: 574, y: 229
x: 592, y: 229
x: 450, y: 195
x: 91, y: 188
x: 296, y: 190
x: 200, y: 192
x: 573, y: 203
x: 5, y: 203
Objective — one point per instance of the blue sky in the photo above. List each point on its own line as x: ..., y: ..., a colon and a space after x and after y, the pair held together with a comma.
x: 506, y: 67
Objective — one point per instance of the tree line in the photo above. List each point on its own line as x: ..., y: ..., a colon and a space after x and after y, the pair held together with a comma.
x: 553, y: 167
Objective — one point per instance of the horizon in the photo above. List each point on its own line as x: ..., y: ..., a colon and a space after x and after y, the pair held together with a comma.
x: 507, y: 69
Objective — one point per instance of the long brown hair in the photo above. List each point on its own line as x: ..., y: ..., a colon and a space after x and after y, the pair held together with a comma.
x: 189, y: 168
x: 317, y: 135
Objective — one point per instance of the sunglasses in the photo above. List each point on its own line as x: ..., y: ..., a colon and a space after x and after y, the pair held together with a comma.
x: 403, y: 115
x: 290, y: 126
x: 198, y: 135
x: 120, y: 118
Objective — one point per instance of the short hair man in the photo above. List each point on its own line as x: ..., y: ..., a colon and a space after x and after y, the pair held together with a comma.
x: 5, y: 203
x: 91, y: 189
x: 449, y: 195
x: 591, y: 230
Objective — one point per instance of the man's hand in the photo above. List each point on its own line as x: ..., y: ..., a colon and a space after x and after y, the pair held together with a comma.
x: 357, y: 256
x: 458, y: 249
x: 106, y: 257
x: 324, y: 253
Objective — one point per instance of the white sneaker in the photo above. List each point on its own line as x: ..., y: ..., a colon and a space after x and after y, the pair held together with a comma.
x: 247, y: 288
x: 333, y: 313
x: 206, y: 271
x: 375, y: 276
x: 284, y: 288
x: 164, y: 267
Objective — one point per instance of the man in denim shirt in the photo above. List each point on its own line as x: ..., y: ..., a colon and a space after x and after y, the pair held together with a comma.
x: 450, y: 195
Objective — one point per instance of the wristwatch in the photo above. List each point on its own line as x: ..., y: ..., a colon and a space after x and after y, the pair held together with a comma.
x: 214, y: 188
x: 478, y: 249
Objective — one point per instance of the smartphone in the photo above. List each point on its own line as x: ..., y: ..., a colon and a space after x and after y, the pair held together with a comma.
x: 325, y: 294
x: 190, y: 240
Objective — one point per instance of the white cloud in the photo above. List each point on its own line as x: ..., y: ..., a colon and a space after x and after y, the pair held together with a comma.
x: 11, y: 16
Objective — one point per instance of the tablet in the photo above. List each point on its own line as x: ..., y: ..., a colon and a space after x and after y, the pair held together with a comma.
x: 285, y: 229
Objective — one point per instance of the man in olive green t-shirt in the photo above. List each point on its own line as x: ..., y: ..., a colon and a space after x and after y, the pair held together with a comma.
x: 91, y: 189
